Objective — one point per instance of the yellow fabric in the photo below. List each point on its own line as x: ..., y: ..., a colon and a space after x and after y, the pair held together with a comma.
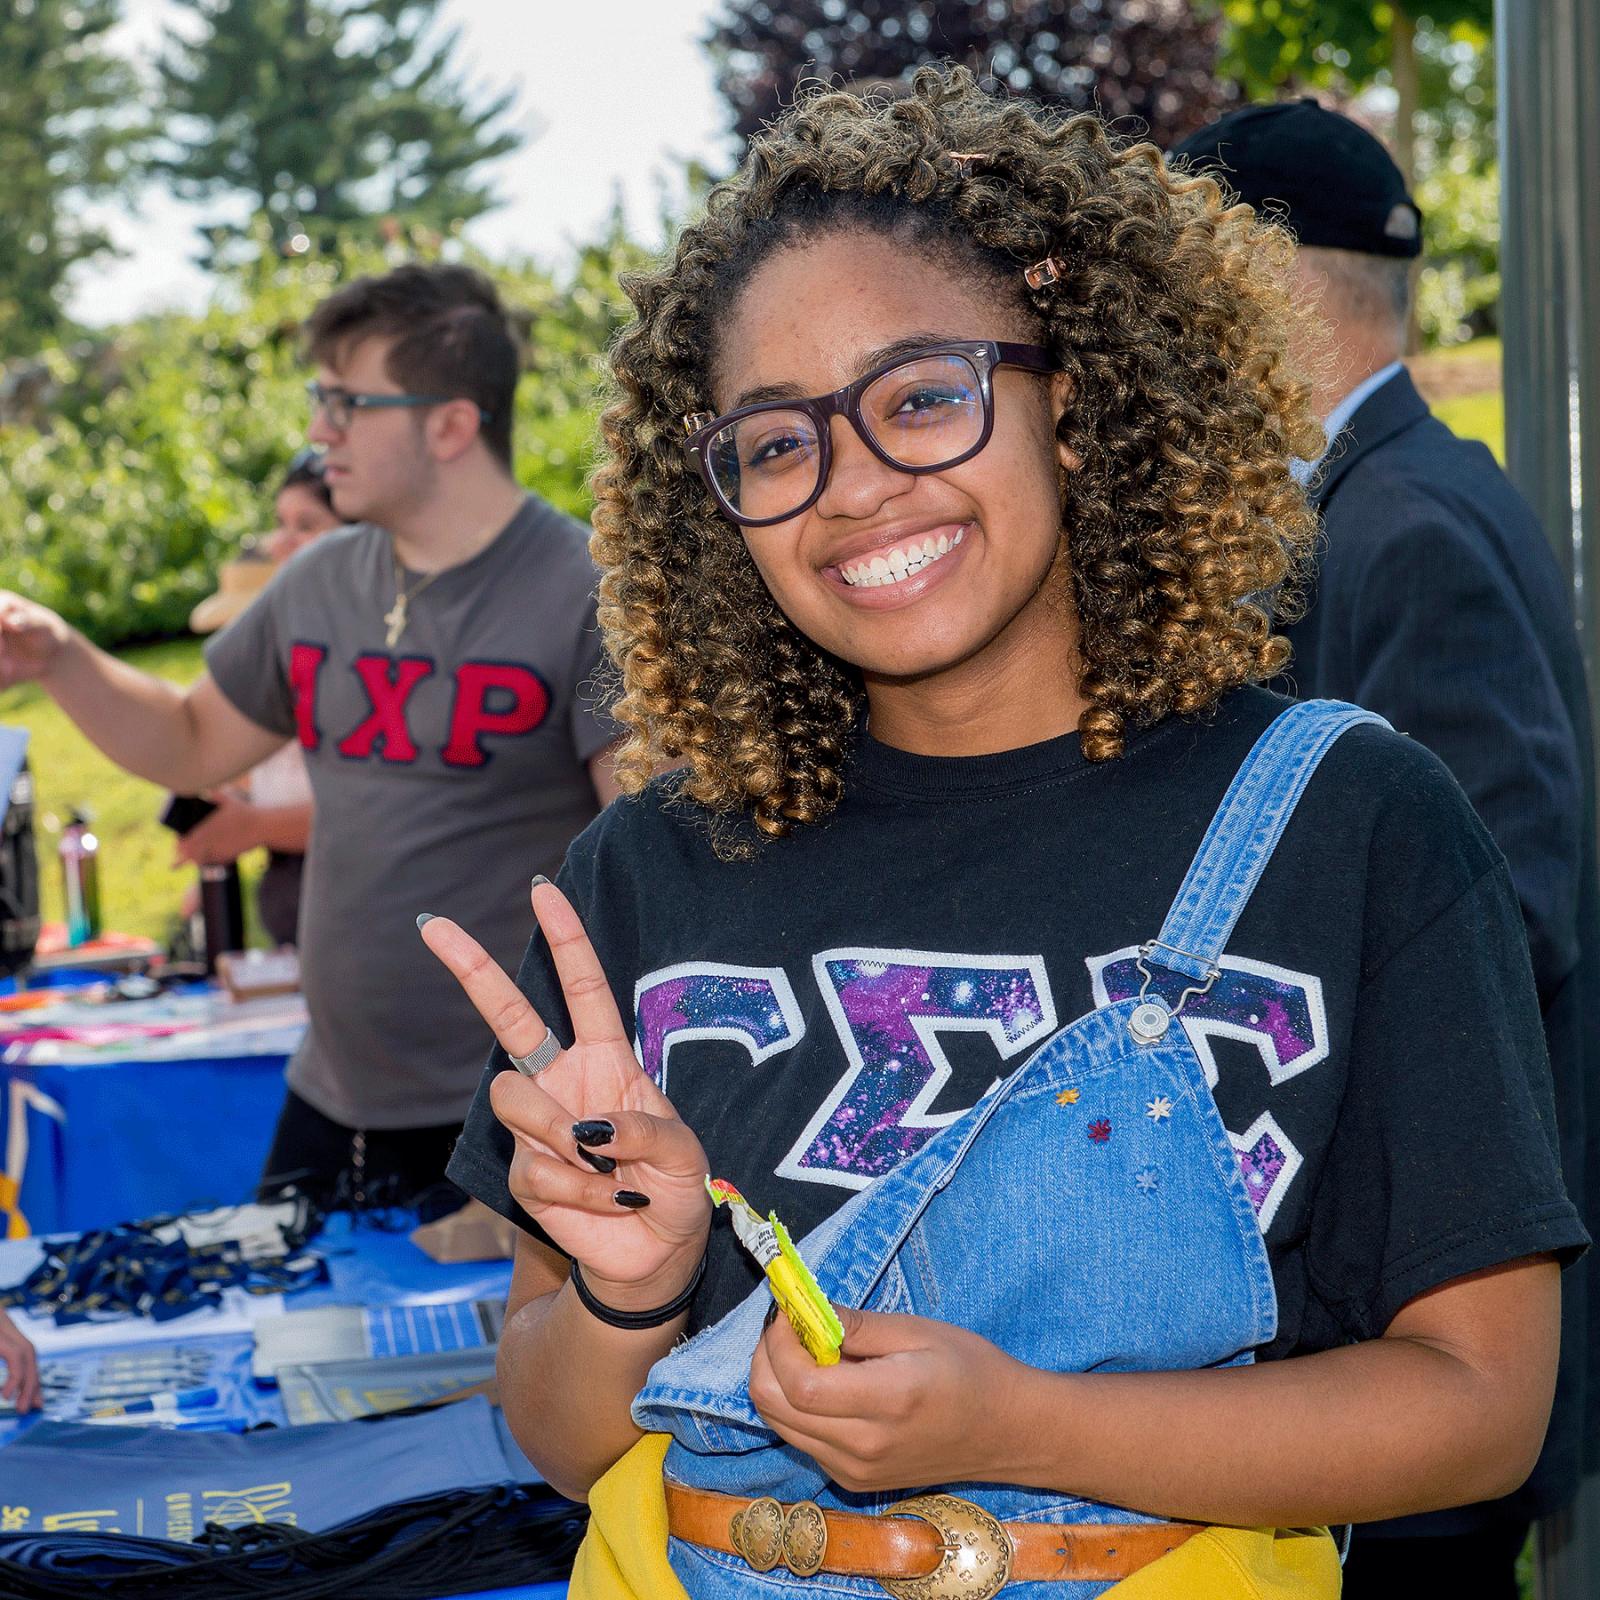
x: 1241, y: 1564
x: 10, y: 1192
x: 624, y: 1556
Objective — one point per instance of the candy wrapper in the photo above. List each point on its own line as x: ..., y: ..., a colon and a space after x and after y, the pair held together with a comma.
x: 788, y: 1277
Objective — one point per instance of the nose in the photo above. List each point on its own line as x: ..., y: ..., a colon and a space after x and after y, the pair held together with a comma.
x: 319, y: 430
x: 859, y: 481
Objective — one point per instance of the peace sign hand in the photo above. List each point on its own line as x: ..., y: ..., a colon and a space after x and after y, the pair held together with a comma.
x: 634, y: 1255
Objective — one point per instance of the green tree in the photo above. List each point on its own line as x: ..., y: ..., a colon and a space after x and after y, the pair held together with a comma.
x: 1436, y: 56
x: 322, y: 113
x: 61, y: 141
x: 1271, y: 45
x: 148, y: 458
x: 1150, y: 62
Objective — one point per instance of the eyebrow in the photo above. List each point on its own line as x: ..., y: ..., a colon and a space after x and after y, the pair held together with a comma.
x: 873, y: 358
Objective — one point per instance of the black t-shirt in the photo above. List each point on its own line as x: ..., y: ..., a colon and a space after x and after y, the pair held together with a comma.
x: 1394, y: 1128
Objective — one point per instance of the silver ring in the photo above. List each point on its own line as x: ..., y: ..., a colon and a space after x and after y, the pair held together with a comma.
x: 538, y: 1058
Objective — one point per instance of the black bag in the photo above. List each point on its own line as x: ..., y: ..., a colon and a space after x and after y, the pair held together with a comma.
x: 19, y: 876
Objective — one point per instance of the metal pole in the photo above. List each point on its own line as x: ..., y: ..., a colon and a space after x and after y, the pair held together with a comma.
x: 1549, y: 67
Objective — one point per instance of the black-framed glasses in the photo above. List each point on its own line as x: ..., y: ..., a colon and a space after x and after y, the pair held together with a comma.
x: 921, y: 412
x: 340, y: 406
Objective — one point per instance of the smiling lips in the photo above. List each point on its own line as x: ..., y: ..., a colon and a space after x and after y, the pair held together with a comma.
x: 901, y: 562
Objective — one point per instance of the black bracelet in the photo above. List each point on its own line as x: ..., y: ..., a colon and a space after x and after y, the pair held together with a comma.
x: 635, y: 1320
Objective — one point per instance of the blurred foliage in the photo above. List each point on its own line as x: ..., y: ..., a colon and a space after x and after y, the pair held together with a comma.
x: 1153, y: 61
x: 141, y: 462
x: 1269, y: 46
x: 1341, y: 48
x: 1458, y: 186
x: 63, y: 139
x: 325, y: 112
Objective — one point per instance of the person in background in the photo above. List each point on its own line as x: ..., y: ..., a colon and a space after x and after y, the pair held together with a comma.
x: 303, y: 504
x: 271, y: 807
x: 434, y: 663
x: 21, y: 1387
x: 1439, y: 604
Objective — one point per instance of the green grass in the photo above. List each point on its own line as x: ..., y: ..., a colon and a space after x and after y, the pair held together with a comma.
x: 1477, y: 416
x: 1483, y: 349
x: 1463, y: 382
x: 139, y: 890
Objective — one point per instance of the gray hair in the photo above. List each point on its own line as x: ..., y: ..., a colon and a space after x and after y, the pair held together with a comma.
x: 1362, y: 288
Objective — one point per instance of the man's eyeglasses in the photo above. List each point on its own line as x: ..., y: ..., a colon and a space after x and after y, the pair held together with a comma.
x: 339, y: 406
x: 919, y: 413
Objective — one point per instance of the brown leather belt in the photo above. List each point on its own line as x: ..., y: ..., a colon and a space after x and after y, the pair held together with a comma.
x: 925, y: 1548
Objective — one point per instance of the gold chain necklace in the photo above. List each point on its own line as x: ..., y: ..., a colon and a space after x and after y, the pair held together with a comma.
x: 395, y: 617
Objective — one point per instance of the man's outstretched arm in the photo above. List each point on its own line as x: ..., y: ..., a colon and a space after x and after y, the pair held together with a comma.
x: 183, y: 739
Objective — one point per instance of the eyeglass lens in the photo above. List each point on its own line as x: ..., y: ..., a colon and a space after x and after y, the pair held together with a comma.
x: 332, y: 404
x: 924, y: 414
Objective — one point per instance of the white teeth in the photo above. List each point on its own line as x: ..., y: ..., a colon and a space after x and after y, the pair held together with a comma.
x: 899, y: 563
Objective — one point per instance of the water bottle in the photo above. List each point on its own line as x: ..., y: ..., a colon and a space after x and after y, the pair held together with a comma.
x: 19, y: 876
x: 221, y: 911
x: 79, y: 851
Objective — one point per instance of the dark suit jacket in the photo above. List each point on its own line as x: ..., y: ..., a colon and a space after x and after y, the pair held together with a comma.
x: 1439, y: 604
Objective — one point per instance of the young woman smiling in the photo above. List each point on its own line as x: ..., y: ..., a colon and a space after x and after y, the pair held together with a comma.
x: 947, y: 470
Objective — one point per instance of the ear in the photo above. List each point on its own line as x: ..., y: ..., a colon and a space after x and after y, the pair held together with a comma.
x: 453, y: 429
x: 1062, y: 393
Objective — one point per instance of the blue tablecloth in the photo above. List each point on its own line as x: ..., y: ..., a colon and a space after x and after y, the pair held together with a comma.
x: 367, y: 1267
x: 124, y: 1140
x: 91, y: 1141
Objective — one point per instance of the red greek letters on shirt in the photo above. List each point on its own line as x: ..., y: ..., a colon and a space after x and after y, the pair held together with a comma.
x: 389, y: 684
x: 305, y: 662
x: 490, y: 698
x: 471, y: 718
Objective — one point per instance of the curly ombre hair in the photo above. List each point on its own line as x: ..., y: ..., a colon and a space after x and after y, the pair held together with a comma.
x: 1169, y: 313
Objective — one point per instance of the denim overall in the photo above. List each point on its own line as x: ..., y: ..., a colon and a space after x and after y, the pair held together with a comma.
x: 1087, y: 1215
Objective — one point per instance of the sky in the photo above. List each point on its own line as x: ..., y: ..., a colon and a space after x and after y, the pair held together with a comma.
x: 614, y: 94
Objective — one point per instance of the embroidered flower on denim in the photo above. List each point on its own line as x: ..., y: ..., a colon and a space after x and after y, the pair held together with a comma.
x: 1146, y: 1180
x: 1159, y: 1108
x: 1100, y: 1131
x: 1067, y: 1097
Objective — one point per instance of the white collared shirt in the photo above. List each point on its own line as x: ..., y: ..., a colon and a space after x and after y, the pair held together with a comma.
x: 1336, y: 421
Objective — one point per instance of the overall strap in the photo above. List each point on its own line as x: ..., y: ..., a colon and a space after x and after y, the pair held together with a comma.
x: 1244, y: 833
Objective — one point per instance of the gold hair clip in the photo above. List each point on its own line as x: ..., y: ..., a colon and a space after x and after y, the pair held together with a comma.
x: 693, y: 421
x: 1044, y: 273
x: 964, y: 159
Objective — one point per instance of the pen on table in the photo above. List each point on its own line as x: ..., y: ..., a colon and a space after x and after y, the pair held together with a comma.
x: 171, y: 1400
x: 171, y: 1422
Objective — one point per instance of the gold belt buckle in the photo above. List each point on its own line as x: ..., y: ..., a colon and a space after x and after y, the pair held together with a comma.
x: 765, y: 1533
x: 977, y: 1551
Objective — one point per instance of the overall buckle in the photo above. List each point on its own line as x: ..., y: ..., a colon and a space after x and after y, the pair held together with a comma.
x: 977, y: 1551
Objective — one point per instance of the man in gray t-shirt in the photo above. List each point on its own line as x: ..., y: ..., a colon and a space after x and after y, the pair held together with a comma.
x: 446, y: 772
x: 434, y: 662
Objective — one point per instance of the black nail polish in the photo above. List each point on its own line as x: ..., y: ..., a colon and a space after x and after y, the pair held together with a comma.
x: 599, y: 1163
x: 598, y: 1131
x: 422, y: 918
x: 538, y: 878
x: 631, y: 1199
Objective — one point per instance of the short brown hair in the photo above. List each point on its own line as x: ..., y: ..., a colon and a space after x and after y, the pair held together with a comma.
x: 451, y: 337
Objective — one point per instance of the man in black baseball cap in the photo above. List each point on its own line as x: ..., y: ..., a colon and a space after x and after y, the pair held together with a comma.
x: 1324, y: 176
x: 1439, y: 605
